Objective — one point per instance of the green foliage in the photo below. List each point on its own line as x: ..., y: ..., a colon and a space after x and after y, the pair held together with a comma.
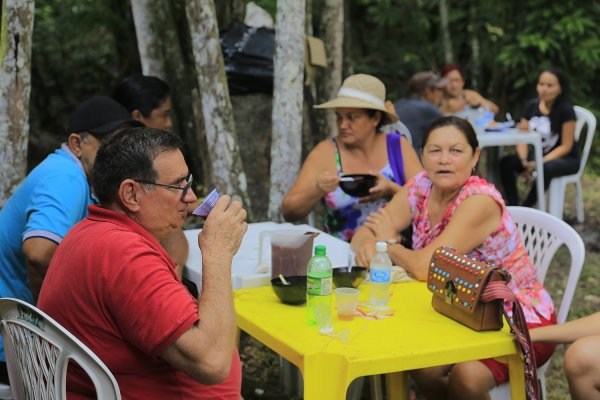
x: 80, y: 48
x: 392, y: 39
x: 269, y: 5
x: 3, y: 31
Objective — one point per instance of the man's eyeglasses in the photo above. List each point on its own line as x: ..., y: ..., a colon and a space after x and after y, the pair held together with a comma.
x: 184, y: 189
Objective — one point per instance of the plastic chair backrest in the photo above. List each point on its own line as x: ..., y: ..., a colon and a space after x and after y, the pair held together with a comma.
x: 38, y: 350
x: 542, y: 235
x: 400, y: 128
x: 584, y: 117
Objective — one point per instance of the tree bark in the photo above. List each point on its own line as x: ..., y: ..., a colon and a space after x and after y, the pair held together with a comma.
x: 447, y: 42
x: 332, y: 26
x: 149, y: 39
x: 287, y: 101
x: 228, y: 172
x: 15, y: 87
x: 160, y: 37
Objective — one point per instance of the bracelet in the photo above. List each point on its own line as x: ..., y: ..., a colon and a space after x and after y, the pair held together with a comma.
x: 392, y: 241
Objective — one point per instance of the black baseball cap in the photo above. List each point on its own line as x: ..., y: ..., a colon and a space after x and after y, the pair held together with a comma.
x: 99, y: 116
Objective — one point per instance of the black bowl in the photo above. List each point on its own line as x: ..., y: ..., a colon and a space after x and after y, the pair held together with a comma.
x: 358, y: 185
x: 352, y: 279
x: 294, y: 293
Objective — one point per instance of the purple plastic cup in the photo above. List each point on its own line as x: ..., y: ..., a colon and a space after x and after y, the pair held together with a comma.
x: 207, y: 205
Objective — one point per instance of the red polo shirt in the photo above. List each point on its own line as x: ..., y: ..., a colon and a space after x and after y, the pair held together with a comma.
x: 111, y: 284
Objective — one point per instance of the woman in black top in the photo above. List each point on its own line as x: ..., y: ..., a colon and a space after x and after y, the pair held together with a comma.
x: 552, y: 116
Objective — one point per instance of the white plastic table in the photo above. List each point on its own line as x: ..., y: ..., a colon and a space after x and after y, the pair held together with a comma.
x: 512, y: 137
x: 245, y: 262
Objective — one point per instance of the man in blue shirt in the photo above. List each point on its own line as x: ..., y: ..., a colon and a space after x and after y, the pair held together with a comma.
x: 51, y: 199
x: 422, y: 107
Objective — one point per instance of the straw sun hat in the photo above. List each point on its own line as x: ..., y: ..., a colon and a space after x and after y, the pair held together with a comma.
x: 363, y: 91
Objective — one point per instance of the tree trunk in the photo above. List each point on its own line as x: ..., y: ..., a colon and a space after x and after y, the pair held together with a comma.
x: 15, y: 87
x: 448, y: 57
x: 161, y: 37
x: 309, y: 122
x: 149, y: 38
x: 223, y: 151
x: 229, y: 11
x: 287, y: 101
x: 475, y: 54
x: 332, y: 26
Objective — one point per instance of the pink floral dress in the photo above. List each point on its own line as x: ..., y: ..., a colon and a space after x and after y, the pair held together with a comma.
x: 504, y: 247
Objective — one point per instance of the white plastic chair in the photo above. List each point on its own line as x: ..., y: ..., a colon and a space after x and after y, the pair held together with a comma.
x: 556, y: 191
x: 38, y: 350
x: 5, y: 392
x: 400, y: 128
x: 543, y: 234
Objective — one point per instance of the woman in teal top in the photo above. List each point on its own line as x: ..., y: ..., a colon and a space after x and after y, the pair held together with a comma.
x: 359, y: 148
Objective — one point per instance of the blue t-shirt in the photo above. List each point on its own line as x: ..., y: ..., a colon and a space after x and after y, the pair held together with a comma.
x: 52, y: 199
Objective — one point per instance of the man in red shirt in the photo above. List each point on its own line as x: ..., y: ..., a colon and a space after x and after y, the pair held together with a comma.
x: 113, y: 286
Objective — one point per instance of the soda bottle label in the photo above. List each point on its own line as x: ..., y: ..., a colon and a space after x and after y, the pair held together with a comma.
x: 318, y: 286
x: 380, y: 275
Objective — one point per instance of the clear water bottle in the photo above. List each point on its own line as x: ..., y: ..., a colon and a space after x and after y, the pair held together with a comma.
x: 381, y: 275
x: 319, y: 289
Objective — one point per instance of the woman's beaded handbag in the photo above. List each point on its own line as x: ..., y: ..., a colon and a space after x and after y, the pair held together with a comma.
x: 473, y: 293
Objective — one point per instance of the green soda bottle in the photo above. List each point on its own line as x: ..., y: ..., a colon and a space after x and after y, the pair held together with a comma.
x: 318, y: 290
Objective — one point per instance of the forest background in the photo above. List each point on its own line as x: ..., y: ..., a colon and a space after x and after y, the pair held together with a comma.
x: 81, y: 48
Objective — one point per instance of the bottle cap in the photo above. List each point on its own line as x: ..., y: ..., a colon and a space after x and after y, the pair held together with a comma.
x: 320, y: 250
x: 381, y: 246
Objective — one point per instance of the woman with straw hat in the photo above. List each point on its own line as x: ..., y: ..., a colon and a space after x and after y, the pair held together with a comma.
x: 359, y: 148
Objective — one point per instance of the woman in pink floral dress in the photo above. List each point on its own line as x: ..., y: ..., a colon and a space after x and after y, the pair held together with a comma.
x: 447, y: 204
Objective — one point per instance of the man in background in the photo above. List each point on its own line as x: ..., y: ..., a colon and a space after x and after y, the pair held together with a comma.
x: 147, y: 99
x: 421, y: 108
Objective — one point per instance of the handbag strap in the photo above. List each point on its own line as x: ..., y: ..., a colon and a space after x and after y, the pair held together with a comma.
x: 394, y: 148
x: 499, y: 290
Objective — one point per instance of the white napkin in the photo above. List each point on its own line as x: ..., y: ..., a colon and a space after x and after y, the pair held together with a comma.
x: 263, y: 269
x: 399, y: 274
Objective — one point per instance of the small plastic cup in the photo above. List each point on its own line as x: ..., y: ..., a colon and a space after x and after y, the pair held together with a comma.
x: 323, y: 317
x: 207, y: 205
x: 346, y: 300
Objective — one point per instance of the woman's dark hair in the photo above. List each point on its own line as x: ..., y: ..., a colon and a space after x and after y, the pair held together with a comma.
x: 383, y: 121
x: 451, y: 67
x: 462, y: 125
x: 143, y: 93
x: 129, y: 154
x: 563, y: 81
x: 459, y: 123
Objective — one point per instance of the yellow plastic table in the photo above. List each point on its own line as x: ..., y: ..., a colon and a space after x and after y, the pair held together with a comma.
x: 415, y: 337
